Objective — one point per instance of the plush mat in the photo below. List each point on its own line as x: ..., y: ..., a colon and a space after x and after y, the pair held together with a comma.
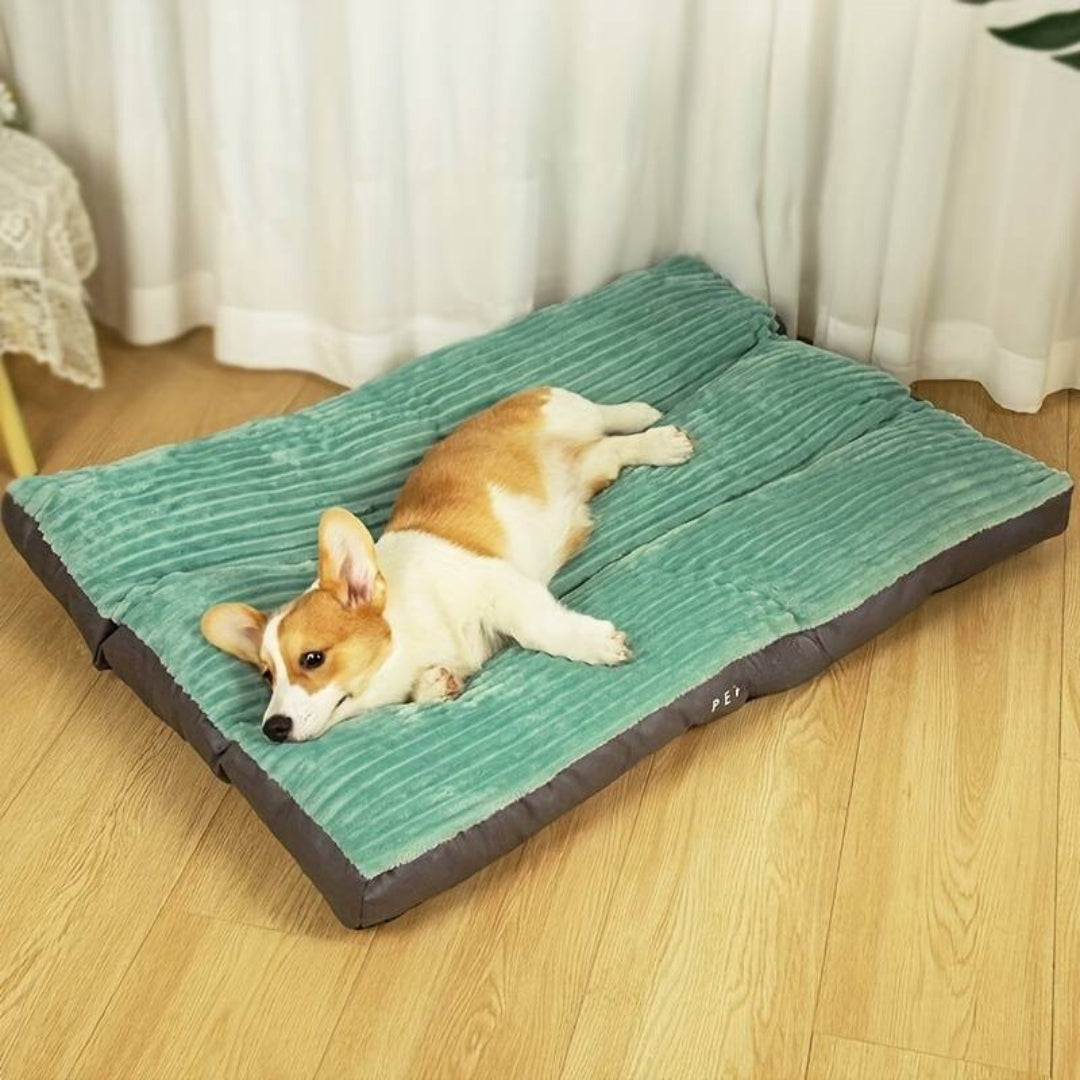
x: 822, y: 504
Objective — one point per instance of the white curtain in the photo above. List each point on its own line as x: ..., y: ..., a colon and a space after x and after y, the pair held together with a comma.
x: 339, y: 186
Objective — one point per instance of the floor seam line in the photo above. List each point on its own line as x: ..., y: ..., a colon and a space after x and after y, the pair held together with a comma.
x: 95, y: 681
x: 840, y: 853
x: 607, y: 914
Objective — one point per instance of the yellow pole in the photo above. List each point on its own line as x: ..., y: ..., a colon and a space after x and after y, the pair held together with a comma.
x: 11, y: 428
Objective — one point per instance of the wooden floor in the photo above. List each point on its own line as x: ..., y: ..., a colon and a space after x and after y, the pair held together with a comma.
x: 876, y: 875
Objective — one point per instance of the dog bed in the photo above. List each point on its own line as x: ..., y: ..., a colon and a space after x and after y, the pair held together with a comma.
x: 822, y: 504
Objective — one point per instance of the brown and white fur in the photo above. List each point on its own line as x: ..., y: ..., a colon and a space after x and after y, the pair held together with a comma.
x: 477, y: 533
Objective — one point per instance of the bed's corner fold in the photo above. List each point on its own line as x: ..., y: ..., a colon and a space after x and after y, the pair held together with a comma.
x: 26, y: 537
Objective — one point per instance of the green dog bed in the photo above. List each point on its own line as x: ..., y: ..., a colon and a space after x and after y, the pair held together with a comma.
x: 822, y: 504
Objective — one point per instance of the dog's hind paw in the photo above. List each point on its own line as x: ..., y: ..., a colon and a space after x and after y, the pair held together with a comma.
x: 667, y: 445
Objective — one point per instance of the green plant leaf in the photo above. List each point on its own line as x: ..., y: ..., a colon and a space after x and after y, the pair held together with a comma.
x: 1072, y: 59
x: 1050, y: 32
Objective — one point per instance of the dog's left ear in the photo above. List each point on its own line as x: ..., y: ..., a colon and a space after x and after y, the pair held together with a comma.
x: 347, y: 564
x: 236, y: 629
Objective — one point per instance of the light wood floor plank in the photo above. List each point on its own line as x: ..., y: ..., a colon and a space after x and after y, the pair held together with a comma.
x: 710, y: 962
x: 843, y: 1059
x: 45, y: 673
x: 212, y: 999
x: 1070, y: 702
x: 941, y: 939
x: 1067, y: 950
x: 486, y: 982
x: 410, y: 976
x: 240, y: 873
x: 90, y: 851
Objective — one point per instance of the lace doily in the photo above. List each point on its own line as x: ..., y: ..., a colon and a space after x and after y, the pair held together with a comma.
x: 46, y: 250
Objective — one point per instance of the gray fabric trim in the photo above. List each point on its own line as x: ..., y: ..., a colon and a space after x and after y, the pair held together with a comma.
x: 358, y: 902
x: 31, y: 545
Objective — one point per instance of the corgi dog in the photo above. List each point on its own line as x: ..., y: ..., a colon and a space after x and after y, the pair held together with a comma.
x: 477, y: 533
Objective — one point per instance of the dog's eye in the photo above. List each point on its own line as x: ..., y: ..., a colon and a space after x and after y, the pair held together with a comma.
x: 310, y: 660
x: 268, y: 676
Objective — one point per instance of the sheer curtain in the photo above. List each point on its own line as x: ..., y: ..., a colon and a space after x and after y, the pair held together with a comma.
x: 339, y: 186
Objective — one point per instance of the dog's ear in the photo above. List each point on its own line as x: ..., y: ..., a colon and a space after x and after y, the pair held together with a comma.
x: 347, y: 566
x: 235, y: 629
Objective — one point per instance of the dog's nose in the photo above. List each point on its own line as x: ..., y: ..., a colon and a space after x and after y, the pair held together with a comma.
x: 277, y: 727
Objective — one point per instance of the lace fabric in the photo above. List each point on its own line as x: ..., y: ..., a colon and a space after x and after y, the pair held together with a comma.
x: 46, y: 251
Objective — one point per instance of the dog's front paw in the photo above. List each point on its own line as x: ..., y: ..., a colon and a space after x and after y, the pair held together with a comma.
x: 437, y: 683
x: 602, y: 643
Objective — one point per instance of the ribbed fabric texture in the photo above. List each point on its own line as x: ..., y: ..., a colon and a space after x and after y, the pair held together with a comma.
x: 816, y: 483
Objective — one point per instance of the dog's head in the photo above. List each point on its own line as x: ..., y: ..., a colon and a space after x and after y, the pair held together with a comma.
x: 320, y: 651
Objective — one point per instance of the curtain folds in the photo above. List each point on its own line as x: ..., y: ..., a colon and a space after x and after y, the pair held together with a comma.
x: 340, y: 185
